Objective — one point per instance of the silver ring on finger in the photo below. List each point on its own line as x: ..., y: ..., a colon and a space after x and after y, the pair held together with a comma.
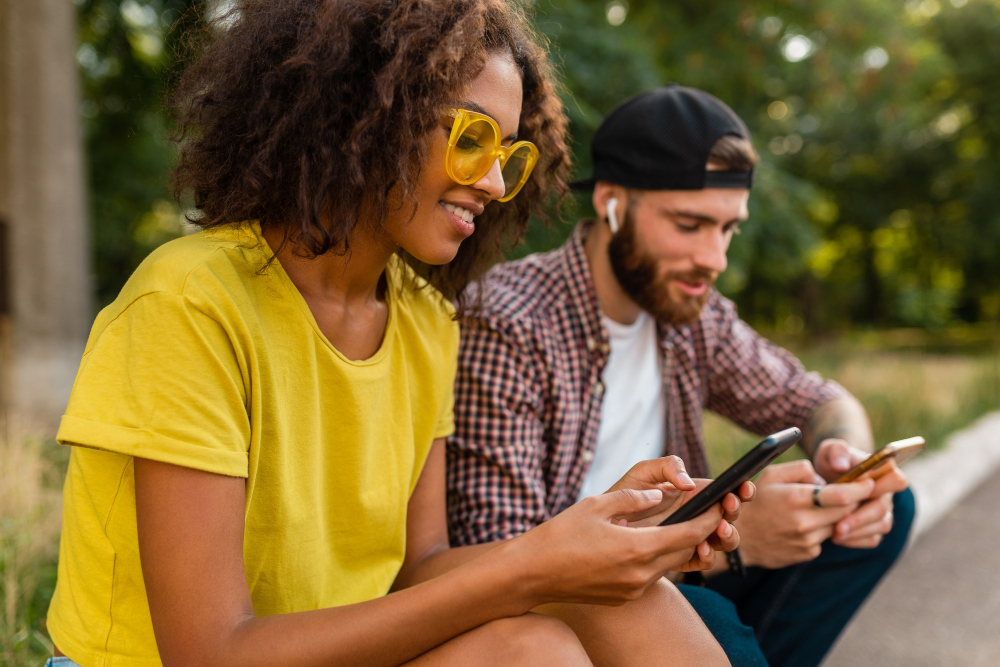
x: 816, y: 491
x: 891, y: 518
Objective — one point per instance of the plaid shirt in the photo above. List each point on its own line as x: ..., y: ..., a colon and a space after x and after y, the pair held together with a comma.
x: 528, y: 391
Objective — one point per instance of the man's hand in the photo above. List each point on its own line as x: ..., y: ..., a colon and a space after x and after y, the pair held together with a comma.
x: 864, y: 528
x: 782, y: 526
x: 669, y: 476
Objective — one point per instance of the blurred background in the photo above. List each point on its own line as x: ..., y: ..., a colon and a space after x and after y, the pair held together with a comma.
x: 872, y: 249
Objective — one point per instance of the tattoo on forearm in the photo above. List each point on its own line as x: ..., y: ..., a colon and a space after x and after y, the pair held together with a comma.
x: 842, y: 418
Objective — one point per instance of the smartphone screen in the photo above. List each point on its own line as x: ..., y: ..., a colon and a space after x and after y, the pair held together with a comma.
x: 729, y: 481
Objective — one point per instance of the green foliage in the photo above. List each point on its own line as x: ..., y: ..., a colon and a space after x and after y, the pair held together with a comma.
x: 878, y: 124
x: 125, y: 53
x: 32, y: 472
x: 906, y: 392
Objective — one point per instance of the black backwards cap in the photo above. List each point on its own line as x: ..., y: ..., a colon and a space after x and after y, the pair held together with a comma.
x: 660, y: 140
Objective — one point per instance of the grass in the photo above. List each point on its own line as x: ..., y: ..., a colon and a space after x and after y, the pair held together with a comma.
x: 907, y: 392
x: 31, y: 473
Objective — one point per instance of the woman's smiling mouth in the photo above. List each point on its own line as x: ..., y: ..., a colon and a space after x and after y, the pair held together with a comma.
x: 461, y: 218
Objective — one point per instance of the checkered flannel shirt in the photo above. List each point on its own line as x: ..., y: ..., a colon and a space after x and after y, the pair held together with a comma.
x: 528, y: 391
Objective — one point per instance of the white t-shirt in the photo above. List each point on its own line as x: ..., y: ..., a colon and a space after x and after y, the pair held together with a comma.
x: 634, y: 410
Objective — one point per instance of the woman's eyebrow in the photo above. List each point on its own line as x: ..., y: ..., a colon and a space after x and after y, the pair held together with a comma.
x: 472, y: 106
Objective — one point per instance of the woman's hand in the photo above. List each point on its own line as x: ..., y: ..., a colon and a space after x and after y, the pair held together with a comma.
x: 669, y: 476
x: 589, y: 553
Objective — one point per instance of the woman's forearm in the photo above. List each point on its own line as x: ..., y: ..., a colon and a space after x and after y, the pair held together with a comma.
x: 385, y: 631
x: 440, y: 562
x: 190, y: 530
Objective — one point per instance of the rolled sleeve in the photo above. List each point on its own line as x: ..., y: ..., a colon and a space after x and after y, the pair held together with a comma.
x: 162, y: 381
x: 759, y: 385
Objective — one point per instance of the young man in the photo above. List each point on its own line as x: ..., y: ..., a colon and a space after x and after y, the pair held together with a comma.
x: 605, y: 352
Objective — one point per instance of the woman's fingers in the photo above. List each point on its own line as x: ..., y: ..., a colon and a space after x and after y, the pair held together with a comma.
x: 725, y: 537
x: 687, y: 534
x: 731, y: 507
x: 657, y: 471
x: 623, y: 502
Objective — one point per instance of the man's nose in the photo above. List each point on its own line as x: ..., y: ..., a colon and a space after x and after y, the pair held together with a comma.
x: 492, y: 183
x: 712, y: 252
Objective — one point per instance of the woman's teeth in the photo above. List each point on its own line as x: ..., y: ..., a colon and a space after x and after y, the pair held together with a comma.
x: 463, y: 213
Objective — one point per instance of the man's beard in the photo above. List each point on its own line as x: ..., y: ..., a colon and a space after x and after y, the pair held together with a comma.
x: 637, y: 273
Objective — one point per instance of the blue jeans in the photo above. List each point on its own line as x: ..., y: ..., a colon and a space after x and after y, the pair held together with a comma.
x: 792, y: 616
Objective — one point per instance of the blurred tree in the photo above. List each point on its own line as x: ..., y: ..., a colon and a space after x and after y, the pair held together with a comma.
x: 125, y: 52
x: 878, y: 125
x: 876, y: 190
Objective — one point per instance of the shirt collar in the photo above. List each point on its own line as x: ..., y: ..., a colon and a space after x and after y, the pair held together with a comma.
x: 580, y: 287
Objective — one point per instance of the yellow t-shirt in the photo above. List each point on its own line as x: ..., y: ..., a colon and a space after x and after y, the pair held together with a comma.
x: 209, y: 360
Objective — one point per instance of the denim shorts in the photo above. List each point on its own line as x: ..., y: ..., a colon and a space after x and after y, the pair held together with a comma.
x: 61, y: 661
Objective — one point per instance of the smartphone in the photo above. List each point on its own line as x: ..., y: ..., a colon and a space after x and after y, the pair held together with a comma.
x: 901, y: 450
x: 729, y: 482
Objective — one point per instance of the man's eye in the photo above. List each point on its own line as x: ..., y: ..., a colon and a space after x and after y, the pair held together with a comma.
x: 687, y: 228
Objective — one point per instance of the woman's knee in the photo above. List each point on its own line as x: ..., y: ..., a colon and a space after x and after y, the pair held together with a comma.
x: 660, y: 622
x: 534, y: 639
x: 662, y: 602
x: 663, y: 612
x: 531, y: 639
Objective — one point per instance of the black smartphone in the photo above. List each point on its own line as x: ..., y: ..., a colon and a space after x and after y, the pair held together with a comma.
x: 728, y: 482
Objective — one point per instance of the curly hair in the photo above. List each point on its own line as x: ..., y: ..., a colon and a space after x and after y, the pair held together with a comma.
x: 305, y: 114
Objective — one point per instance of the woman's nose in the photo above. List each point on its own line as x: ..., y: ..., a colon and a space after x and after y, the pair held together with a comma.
x: 492, y: 183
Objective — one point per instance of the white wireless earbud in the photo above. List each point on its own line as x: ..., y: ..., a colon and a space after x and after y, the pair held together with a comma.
x: 612, y: 218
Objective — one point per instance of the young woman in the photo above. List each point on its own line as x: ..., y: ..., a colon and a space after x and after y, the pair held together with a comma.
x: 257, y: 470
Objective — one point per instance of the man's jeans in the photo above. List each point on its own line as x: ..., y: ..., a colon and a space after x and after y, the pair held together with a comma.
x: 796, y: 613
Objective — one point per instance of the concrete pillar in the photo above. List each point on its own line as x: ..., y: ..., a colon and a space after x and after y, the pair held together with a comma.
x: 45, y: 265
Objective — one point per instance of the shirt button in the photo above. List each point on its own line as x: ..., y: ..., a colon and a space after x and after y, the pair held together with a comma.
x: 591, y: 344
x: 599, y: 389
x: 587, y: 456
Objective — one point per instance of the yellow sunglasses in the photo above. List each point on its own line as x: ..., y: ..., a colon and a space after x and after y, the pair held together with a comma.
x: 473, y: 147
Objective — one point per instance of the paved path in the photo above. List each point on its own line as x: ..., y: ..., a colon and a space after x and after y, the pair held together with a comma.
x: 940, y: 606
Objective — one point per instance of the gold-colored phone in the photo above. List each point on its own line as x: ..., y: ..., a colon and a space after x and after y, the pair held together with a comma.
x: 900, y: 451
